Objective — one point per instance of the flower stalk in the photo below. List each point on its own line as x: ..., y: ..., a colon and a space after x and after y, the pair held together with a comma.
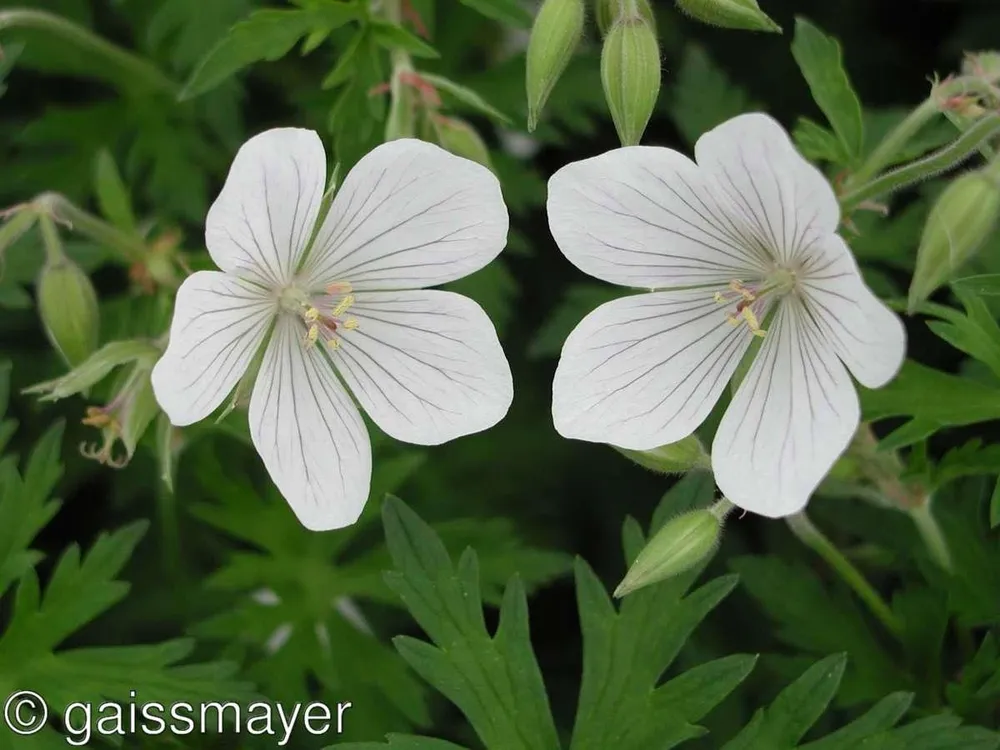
x: 961, y: 86
x: 963, y: 147
x: 812, y: 537
x: 134, y: 68
x: 62, y: 210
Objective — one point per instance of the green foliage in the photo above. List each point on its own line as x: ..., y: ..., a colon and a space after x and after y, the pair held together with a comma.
x: 80, y: 588
x: 495, y: 681
x: 315, y: 590
x: 132, y: 110
x: 264, y: 35
x: 703, y: 96
x: 819, y: 59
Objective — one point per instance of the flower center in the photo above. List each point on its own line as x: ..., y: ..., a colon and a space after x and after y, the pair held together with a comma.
x: 324, y: 317
x: 751, y: 300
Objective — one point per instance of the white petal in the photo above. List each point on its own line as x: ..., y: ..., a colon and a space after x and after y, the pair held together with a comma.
x: 785, y: 198
x: 646, y: 217
x: 792, y: 417
x: 645, y: 370
x: 309, y: 433
x: 409, y: 215
x: 218, y: 326
x: 866, y: 335
x: 263, y: 219
x: 425, y: 365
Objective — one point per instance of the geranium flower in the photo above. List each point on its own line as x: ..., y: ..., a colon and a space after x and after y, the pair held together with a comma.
x: 341, y: 294
x: 743, y: 245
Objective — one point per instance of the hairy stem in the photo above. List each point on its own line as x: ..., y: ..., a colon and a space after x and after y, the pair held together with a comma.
x: 967, y: 144
x: 141, y: 71
x: 883, y: 154
x: 59, y: 208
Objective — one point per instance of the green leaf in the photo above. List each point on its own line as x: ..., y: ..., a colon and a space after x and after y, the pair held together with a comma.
x: 26, y: 506
x: 703, y: 95
x: 783, y: 723
x: 508, y: 12
x: 976, y: 333
x: 819, y: 144
x: 625, y: 655
x: 883, y: 715
x: 264, y: 35
x: 393, y: 36
x: 819, y: 59
x: 466, y: 96
x: 957, y: 400
x: 985, y: 285
x: 495, y: 680
x: 399, y: 742
x: 112, y: 195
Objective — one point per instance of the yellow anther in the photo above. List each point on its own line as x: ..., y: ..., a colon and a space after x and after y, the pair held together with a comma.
x: 719, y: 297
x: 343, y: 305
x: 311, y: 315
x: 752, y: 323
x: 350, y: 324
x: 333, y: 344
x: 312, y: 334
x: 98, y: 417
x: 733, y: 320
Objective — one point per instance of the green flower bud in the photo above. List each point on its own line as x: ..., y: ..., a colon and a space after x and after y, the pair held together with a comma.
x: 963, y: 217
x: 460, y: 138
x: 608, y: 11
x: 682, y: 543
x: 554, y: 36
x: 730, y: 14
x: 674, y: 458
x: 630, y: 71
x: 95, y: 368
x: 67, y: 302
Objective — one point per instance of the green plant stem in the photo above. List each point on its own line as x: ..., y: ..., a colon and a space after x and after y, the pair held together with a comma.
x: 930, y: 532
x: 59, y: 208
x: 399, y: 123
x: 812, y: 537
x: 967, y: 144
x: 50, y: 240
x: 141, y: 71
x: 911, y: 125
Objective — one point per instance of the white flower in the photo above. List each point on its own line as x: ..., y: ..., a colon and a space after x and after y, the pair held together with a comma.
x: 744, y: 238
x: 327, y: 296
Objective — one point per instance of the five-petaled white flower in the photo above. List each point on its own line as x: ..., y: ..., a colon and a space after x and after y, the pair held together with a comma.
x: 322, y: 296
x: 744, y: 238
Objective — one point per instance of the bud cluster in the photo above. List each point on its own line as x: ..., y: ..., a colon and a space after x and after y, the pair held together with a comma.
x: 630, y: 56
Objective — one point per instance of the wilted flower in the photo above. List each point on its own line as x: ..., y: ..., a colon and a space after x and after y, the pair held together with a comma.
x: 314, y: 296
x: 132, y: 406
x: 744, y: 245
